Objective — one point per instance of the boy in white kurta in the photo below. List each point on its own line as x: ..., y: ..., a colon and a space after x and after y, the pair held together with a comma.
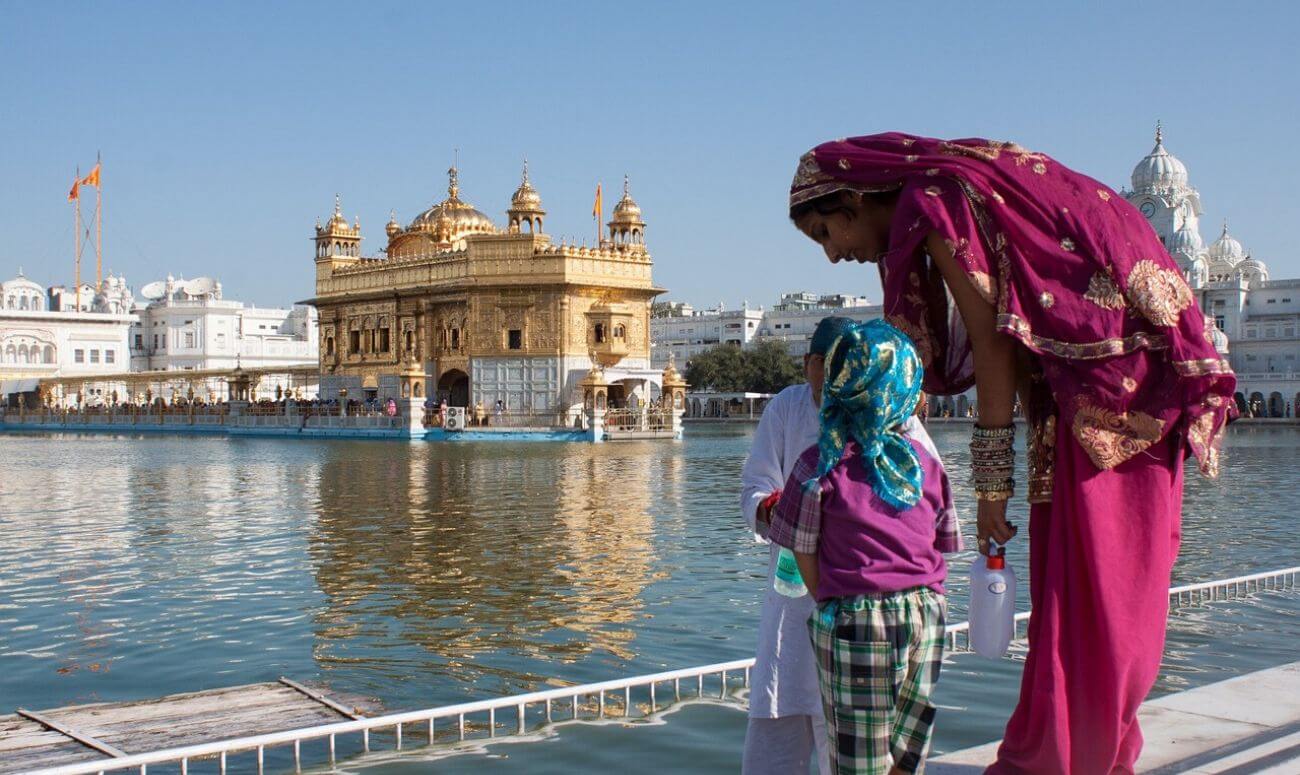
x: 786, y: 721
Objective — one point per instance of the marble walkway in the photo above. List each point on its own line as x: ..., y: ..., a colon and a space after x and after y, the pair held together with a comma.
x: 1247, y: 724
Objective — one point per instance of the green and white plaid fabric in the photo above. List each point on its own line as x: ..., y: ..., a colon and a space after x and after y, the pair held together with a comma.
x: 878, y: 658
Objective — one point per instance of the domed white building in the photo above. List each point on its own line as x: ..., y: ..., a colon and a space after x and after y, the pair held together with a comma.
x: 1256, y: 319
x: 45, y: 333
x: 187, y: 325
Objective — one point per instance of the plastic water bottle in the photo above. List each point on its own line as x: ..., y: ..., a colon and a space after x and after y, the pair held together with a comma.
x: 992, y: 603
x: 787, y: 580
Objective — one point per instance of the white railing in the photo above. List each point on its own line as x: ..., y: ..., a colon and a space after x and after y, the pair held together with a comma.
x: 1285, y: 579
x: 571, y: 702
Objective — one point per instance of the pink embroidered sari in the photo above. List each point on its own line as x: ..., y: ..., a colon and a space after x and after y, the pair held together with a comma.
x: 1127, y: 380
x: 1074, y: 271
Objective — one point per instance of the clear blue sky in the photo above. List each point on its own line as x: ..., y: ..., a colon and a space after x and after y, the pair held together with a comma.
x: 227, y: 128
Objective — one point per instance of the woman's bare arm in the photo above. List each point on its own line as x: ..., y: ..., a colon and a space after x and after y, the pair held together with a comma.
x: 808, y: 570
x: 995, y: 372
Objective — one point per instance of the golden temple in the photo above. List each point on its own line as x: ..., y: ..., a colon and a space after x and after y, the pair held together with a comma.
x: 457, y: 308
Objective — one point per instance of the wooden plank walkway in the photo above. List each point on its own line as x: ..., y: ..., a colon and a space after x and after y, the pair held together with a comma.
x: 1247, y: 724
x: 86, y: 733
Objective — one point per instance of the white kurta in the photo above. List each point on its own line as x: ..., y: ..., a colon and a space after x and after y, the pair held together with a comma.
x: 784, y: 679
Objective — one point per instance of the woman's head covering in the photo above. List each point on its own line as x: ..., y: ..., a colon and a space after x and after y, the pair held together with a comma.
x: 1073, y: 271
x: 873, y: 381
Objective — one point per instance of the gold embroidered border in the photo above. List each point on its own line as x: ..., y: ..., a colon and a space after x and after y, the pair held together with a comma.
x: 1020, y: 328
x: 1110, y: 437
x: 815, y: 192
x: 1205, y: 441
x: 1041, y: 459
x: 1202, y: 367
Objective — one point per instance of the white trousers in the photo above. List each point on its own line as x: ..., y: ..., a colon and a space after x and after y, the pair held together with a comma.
x: 781, y: 746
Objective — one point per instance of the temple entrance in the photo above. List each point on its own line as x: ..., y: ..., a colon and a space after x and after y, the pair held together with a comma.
x: 617, y: 396
x: 454, y: 385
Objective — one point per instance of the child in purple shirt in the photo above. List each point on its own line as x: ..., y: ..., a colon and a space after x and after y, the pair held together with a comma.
x: 869, y: 516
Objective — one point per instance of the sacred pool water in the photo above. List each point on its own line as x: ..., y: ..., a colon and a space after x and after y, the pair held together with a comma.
x: 424, y: 574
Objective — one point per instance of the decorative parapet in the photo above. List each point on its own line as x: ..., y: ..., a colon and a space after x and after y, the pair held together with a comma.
x: 495, y: 261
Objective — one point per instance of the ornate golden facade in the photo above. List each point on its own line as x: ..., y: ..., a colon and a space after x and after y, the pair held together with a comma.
x: 489, y: 313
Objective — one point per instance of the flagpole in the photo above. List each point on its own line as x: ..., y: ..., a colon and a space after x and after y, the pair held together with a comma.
x: 76, y: 272
x: 99, y: 209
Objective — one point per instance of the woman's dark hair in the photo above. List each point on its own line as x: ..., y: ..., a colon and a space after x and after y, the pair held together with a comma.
x: 838, y: 202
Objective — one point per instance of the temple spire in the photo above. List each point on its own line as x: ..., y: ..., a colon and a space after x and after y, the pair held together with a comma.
x: 1160, y: 132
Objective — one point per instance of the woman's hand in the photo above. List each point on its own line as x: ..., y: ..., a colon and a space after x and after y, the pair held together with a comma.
x: 991, y: 522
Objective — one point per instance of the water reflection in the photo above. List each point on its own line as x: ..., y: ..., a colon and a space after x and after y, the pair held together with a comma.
x: 426, y: 574
x: 486, y: 559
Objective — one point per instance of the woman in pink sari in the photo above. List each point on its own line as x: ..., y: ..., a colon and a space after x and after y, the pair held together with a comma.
x: 1062, y: 294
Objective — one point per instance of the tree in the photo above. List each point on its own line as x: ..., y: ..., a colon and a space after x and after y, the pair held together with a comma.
x: 770, y: 369
x: 767, y: 368
x: 720, y: 369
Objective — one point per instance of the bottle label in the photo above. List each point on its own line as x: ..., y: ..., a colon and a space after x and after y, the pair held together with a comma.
x: 998, y: 587
x: 787, y: 568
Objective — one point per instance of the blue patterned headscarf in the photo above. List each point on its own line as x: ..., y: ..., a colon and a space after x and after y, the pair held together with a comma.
x: 873, y: 383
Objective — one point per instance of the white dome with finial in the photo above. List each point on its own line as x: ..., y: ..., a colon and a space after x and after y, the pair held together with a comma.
x: 1186, y: 241
x: 1252, y: 271
x: 1159, y: 170
x: 1226, y: 248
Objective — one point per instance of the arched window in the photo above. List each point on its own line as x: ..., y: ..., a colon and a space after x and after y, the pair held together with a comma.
x: 22, y: 354
x: 49, y: 353
x: 22, y: 302
x: 619, y: 332
x: 11, y: 354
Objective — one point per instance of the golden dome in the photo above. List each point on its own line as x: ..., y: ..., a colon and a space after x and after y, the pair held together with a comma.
x: 627, y: 210
x: 526, y: 198
x: 393, y: 226
x: 337, y: 223
x: 452, y: 218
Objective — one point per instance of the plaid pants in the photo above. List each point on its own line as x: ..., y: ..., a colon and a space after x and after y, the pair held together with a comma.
x: 878, y: 659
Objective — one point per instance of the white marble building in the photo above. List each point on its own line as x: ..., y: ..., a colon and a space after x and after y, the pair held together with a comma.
x: 683, y: 331
x: 43, y: 333
x: 1257, y: 319
x: 187, y: 325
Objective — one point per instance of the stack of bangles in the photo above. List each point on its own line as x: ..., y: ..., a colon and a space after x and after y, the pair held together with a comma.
x: 993, y: 461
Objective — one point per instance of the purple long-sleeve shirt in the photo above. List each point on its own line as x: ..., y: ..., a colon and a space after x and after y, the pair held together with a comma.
x: 864, y: 545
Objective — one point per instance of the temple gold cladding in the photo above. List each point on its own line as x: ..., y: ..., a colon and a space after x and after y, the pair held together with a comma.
x: 491, y: 314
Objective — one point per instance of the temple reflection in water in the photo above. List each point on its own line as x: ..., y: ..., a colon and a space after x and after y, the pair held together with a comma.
x: 491, y: 558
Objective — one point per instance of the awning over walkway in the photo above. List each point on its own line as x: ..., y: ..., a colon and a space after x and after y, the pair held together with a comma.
x: 24, y: 385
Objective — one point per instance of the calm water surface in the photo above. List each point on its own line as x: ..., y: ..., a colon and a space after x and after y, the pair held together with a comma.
x: 425, y: 574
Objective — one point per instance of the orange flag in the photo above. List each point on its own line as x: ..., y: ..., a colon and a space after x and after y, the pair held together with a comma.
x: 75, y: 193
x: 599, y: 206
x: 92, y: 179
